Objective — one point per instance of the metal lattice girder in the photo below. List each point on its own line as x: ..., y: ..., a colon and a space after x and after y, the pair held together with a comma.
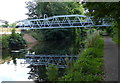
x: 62, y: 21
x: 59, y: 60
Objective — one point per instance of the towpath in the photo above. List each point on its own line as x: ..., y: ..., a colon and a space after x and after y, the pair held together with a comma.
x: 110, y: 60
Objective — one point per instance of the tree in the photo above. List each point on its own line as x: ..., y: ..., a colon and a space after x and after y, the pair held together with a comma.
x: 102, y: 9
x: 12, y: 25
x: 31, y: 9
x: 5, y: 24
x: 39, y: 9
x: 106, y: 10
x: 16, y: 40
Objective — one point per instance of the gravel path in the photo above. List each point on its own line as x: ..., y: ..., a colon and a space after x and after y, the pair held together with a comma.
x: 110, y: 60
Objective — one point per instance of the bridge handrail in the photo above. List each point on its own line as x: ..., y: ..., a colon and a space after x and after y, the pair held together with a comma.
x: 31, y: 55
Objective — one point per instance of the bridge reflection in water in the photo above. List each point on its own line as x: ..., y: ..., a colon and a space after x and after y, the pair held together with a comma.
x: 38, y: 64
x: 61, y: 61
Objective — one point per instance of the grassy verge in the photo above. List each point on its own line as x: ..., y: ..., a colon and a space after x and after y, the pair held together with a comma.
x: 115, y: 33
x: 116, y: 40
x: 88, y: 67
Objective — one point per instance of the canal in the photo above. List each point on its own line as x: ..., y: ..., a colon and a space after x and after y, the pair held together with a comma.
x: 13, y: 69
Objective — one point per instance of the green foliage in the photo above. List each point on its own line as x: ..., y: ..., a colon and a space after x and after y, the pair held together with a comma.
x: 6, y: 24
x: 12, y: 25
x: 0, y: 39
x: 52, y: 72
x: 88, y: 67
x: 36, y: 34
x: 4, y: 41
x: 56, y: 34
x: 16, y: 40
x: 93, y: 39
x: 103, y: 10
x: 38, y: 9
x: 115, y: 33
x: 51, y: 34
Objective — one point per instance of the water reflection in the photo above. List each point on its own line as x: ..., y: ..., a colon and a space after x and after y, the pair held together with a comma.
x: 37, y: 73
x: 12, y: 70
x: 11, y: 67
x: 60, y: 48
x: 57, y: 47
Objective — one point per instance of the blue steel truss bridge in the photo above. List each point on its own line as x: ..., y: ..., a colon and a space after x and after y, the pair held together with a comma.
x: 61, y: 21
x: 60, y: 61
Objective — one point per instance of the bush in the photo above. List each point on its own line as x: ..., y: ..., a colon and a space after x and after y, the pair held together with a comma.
x: 93, y: 40
x: 92, y: 52
x: 115, y: 33
x: 16, y: 40
x: 5, y: 42
x: 88, y: 67
x: 52, y: 72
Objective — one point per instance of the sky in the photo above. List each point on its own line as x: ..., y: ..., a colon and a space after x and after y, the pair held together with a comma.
x: 13, y: 10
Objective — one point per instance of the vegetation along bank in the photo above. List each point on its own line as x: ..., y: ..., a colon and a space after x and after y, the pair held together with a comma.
x: 89, y: 65
x: 12, y: 41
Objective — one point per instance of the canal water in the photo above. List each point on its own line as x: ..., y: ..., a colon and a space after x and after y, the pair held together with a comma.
x: 13, y: 69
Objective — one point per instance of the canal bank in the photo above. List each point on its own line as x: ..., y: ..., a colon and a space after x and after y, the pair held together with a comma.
x: 15, y: 64
x: 30, y: 40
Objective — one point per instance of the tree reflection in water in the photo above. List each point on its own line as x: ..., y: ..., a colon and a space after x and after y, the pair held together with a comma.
x: 68, y: 47
x: 37, y: 73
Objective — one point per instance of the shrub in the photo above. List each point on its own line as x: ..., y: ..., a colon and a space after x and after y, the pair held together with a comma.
x: 88, y: 67
x: 92, y: 52
x: 16, y: 40
x: 52, y: 72
x: 5, y: 42
x: 115, y: 33
x: 92, y: 39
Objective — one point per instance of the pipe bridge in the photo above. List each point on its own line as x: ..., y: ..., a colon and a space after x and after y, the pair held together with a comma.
x: 61, y: 21
x: 61, y: 61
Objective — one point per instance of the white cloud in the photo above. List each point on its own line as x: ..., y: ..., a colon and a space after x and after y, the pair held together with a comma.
x: 13, y: 10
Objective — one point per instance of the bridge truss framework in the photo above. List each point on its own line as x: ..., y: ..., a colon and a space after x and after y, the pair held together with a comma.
x: 60, y: 61
x: 62, y: 21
